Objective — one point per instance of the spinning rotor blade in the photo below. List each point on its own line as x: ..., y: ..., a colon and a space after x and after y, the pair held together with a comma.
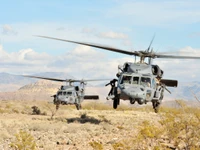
x: 95, y: 45
x: 91, y: 80
x: 141, y: 53
x: 65, y: 80
x: 168, y: 90
x: 45, y: 78
x: 173, y: 56
x: 171, y: 83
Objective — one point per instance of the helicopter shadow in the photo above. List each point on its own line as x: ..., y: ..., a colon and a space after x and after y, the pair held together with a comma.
x: 84, y: 119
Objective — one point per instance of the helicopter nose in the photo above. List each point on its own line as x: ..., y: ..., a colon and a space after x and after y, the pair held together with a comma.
x: 135, y: 92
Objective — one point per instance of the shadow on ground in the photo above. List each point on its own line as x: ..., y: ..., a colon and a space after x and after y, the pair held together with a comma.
x: 84, y: 119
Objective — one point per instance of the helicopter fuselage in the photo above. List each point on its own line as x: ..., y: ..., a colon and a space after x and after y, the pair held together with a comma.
x: 138, y: 82
x: 136, y: 87
x: 69, y: 95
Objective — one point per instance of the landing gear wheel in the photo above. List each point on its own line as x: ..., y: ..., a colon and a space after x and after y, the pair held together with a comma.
x: 116, y: 101
x: 156, y: 105
x: 132, y: 101
x: 78, y: 106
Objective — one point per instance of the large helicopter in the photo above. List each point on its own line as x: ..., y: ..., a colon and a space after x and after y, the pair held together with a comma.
x: 139, y: 82
x: 70, y: 94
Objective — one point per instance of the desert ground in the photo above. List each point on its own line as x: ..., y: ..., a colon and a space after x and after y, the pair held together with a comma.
x: 97, y: 126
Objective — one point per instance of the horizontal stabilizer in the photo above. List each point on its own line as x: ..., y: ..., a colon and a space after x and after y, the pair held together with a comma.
x: 92, y: 97
x: 171, y: 83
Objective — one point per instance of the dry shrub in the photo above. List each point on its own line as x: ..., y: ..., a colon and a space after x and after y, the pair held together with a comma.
x: 183, y: 128
x: 96, y: 145
x: 23, y: 141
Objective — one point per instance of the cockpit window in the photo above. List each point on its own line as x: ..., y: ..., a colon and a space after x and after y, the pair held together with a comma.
x: 59, y: 93
x: 69, y: 93
x: 126, y: 79
x: 135, y: 80
x: 64, y: 93
x: 145, y: 81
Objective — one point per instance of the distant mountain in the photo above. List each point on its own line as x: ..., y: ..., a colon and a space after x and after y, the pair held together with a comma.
x: 10, y: 82
x: 186, y: 91
x: 6, y: 78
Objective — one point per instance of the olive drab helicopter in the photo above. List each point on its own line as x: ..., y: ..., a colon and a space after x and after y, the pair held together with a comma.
x: 139, y: 82
x: 70, y: 94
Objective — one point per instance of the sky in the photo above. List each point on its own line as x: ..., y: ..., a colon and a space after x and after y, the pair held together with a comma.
x: 124, y: 24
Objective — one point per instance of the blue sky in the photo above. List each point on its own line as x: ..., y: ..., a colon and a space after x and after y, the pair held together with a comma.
x: 125, y: 24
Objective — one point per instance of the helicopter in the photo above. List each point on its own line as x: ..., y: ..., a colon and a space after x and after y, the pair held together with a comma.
x: 70, y: 94
x: 141, y: 81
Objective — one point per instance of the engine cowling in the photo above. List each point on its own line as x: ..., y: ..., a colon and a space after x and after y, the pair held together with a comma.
x: 157, y: 71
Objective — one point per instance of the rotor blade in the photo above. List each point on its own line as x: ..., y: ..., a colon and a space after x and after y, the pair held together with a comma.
x: 64, y: 80
x: 45, y: 78
x: 171, y: 83
x: 148, y: 49
x: 173, y: 56
x: 90, y: 80
x: 94, y: 45
x: 168, y: 90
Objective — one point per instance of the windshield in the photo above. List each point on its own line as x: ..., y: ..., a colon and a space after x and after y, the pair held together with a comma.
x: 69, y: 93
x: 126, y: 79
x: 145, y: 81
x: 135, y: 80
x: 59, y: 93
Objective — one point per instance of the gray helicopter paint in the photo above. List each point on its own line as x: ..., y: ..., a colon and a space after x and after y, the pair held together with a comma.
x: 136, y: 91
x: 138, y: 68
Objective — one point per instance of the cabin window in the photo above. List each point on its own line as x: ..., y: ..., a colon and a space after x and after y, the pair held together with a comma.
x: 135, y: 80
x: 145, y: 81
x: 126, y: 79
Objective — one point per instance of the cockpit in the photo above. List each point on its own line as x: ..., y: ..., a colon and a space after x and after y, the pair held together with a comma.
x: 69, y: 93
x: 137, y: 80
x: 146, y: 81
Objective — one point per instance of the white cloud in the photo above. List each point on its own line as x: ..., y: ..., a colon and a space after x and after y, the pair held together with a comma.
x: 8, y: 30
x: 181, y: 69
x: 81, y: 62
x: 85, y: 62
x: 23, y: 57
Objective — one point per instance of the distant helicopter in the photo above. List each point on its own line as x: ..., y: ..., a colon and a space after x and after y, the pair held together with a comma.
x: 139, y: 82
x: 70, y: 94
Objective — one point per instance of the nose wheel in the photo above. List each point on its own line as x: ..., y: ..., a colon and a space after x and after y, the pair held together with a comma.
x: 116, y: 101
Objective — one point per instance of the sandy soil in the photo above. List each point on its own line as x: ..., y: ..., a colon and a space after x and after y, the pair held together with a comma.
x: 69, y: 128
